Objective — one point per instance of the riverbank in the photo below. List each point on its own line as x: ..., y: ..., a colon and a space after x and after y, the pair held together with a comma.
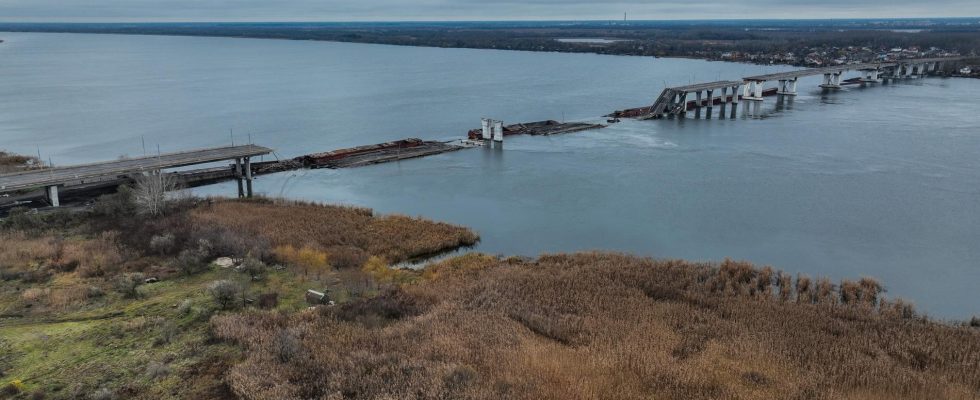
x: 800, y: 43
x: 105, y: 304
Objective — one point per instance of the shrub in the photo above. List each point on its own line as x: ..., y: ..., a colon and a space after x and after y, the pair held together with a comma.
x: 185, y: 307
x: 128, y: 284
x: 975, y: 322
x: 285, y: 346
x: 225, y: 293
x: 24, y: 219
x: 157, y: 370
x: 253, y: 267
x: 115, y: 206
x: 268, y: 300
x: 342, y: 257
x: 190, y: 261
x: 378, y: 269
x: 307, y: 258
x: 162, y: 244
x: 168, y: 331
x: 13, y: 388
x: 35, y: 295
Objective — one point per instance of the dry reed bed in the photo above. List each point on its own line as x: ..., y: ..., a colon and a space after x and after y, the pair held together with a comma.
x: 394, y: 237
x: 10, y: 162
x: 603, y: 325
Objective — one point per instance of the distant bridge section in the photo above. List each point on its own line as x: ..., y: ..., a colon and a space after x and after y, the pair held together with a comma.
x: 674, y: 100
x: 52, y: 178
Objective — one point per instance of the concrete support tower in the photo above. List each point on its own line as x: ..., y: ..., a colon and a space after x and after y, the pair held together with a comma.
x: 787, y: 87
x: 832, y: 80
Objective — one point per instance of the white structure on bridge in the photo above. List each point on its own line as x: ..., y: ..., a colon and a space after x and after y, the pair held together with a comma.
x: 492, y: 130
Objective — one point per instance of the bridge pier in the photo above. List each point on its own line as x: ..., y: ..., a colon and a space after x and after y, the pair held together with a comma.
x: 832, y: 80
x: 870, y: 76
x: 51, y: 193
x: 248, y: 176
x: 238, y: 177
x: 787, y: 87
x: 723, y: 103
x: 734, y: 102
x: 697, y: 105
x: 710, y: 104
x: 755, y: 87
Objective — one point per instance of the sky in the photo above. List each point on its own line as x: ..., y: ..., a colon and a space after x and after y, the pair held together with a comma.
x: 470, y: 10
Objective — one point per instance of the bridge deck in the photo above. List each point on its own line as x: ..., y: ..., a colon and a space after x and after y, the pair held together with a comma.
x: 838, y: 68
x: 815, y: 71
x: 706, y: 86
x: 63, y: 175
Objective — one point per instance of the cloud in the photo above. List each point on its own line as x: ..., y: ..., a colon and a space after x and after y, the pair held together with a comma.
x: 402, y: 10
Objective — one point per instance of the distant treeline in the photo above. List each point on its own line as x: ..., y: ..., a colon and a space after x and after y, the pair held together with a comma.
x: 702, y: 39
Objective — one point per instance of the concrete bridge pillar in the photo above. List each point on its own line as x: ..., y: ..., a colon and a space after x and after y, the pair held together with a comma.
x: 832, y: 80
x: 51, y: 192
x: 683, y: 105
x: 697, y: 105
x: 248, y: 176
x: 710, y: 103
x: 870, y: 76
x: 734, y: 111
x: 238, y: 177
x: 755, y: 88
x: 723, y: 103
x: 787, y: 87
x: 485, y: 128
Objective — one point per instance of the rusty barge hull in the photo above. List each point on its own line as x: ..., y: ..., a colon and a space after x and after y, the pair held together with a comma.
x: 539, y: 128
x: 361, y: 157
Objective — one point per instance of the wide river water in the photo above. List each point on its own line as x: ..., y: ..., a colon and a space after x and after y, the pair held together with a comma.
x: 881, y: 181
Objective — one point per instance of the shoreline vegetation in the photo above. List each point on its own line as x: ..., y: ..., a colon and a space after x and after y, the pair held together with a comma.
x: 802, y: 43
x: 276, y: 299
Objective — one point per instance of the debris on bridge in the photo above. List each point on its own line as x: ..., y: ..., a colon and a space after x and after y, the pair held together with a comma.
x: 539, y: 128
x: 376, y: 153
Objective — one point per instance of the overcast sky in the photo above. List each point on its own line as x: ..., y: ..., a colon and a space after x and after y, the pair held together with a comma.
x: 415, y: 10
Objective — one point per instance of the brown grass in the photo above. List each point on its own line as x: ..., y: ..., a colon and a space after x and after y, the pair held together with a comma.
x: 394, y: 237
x: 88, y: 256
x: 597, y: 325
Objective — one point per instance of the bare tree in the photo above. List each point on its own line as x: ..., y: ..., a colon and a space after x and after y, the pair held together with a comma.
x: 154, y: 191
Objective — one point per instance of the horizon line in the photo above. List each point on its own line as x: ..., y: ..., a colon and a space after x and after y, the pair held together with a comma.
x: 202, y: 21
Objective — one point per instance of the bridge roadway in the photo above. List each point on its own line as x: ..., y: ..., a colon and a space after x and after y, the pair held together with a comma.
x: 673, y: 100
x: 839, y: 68
x: 62, y: 176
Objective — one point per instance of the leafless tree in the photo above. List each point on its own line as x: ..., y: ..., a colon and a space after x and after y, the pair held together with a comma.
x: 154, y: 191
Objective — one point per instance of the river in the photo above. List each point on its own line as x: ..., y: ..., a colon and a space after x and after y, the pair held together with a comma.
x: 880, y: 181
